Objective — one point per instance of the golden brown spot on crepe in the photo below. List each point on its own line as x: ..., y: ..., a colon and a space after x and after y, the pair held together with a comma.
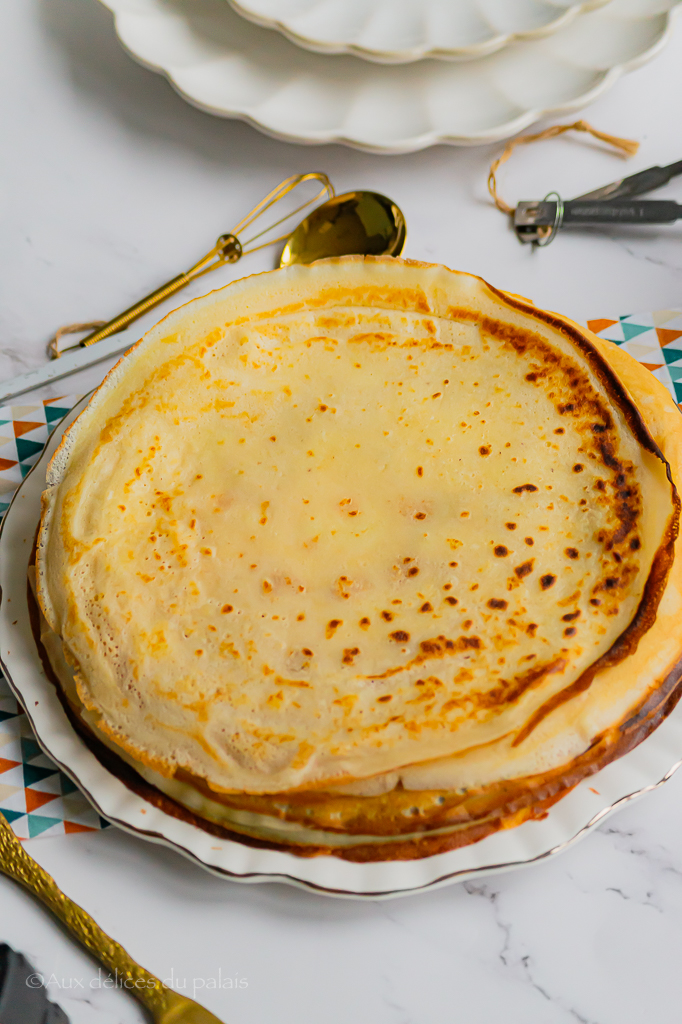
x: 364, y: 623
x: 524, y: 487
x: 267, y: 587
x: 300, y: 617
x: 451, y: 600
x: 385, y: 698
x: 572, y: 553
x: 547, y: 580
x: 413, y: 571
x: 501, y: 551
x: 349, y: 655
x: 332, y: 627
x: 511, y: 526
x: 226, y: 608
x: 426, y: 607
x: 464, y: 559
x: 497, y: 603
x: 387, y: 616
x: 578, y: 468
x: 400, y: 636
x: 420, y: 471
x: 531, y: 628
x: 484, y: 449
x: 525, y: 568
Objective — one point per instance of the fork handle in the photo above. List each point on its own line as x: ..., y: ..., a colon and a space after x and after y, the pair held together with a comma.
x: 16, y: 863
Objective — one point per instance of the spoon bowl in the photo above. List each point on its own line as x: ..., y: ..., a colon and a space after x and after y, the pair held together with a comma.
x: 356, y: 223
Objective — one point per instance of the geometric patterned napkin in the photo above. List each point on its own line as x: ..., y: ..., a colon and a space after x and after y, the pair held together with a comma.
x: 35, y: 797
x: 654, y: 339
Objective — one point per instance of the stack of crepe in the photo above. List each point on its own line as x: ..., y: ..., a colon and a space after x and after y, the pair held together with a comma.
x: 366, y: 558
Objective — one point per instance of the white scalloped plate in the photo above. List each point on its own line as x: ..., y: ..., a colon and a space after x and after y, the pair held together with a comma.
x: 401, y: 31
x: 643, y: 769
x: 230, y: 67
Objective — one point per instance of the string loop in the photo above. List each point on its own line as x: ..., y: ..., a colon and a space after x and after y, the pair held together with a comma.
x: 53, y: 345
x: 627, y: 147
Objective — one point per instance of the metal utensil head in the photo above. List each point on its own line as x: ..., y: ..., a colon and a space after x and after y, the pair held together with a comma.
x: 356, y: 223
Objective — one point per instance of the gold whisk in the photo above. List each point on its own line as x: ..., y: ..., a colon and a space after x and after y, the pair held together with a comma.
x: 228, y: 249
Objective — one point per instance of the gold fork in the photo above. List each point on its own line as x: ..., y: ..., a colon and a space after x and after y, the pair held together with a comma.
x: 163, y: 1005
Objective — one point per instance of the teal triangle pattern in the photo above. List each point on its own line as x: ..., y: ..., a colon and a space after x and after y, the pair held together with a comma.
x: 67, y: 785
x: 38, y: 823
x: 668, y: 357
x: 33, y: 774
x: 631, y: 331
x: 33, y: 768
x: 29, y: 749
x: 53, y: 414
x: 26, y: 448
x: 12, y: 815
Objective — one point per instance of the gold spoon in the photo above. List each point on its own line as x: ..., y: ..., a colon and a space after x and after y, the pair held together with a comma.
x: 163, y: 1005
x: 356, y: 223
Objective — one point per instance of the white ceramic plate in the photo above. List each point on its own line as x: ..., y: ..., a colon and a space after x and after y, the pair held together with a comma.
x: 230, y: 67
x: 643, y: 769
x: 400, y: 31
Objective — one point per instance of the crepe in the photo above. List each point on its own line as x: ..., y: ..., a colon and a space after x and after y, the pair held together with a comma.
x: 364, y: 553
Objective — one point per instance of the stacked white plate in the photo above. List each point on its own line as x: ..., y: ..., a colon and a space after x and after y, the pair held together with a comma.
x: 392, y: 76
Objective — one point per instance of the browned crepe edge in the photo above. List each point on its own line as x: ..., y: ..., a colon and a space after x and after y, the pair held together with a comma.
x: 626, y: 642
x: 528, y: 798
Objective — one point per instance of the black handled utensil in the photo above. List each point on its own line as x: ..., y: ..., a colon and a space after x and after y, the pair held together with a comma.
x: 22, y: 993
x: 538, y: 222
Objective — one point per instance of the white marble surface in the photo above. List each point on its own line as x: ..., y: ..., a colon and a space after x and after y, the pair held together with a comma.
x: 110, y: 183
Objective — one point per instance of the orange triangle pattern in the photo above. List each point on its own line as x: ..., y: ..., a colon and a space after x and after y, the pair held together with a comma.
x: 5, y: 765
x: 651, y: 366
x: 23, y: 427
x: 71, y: 826
x: 600, y: 325
x: 36, y: 799
x: 7, y: 463
x: 665, y: 335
